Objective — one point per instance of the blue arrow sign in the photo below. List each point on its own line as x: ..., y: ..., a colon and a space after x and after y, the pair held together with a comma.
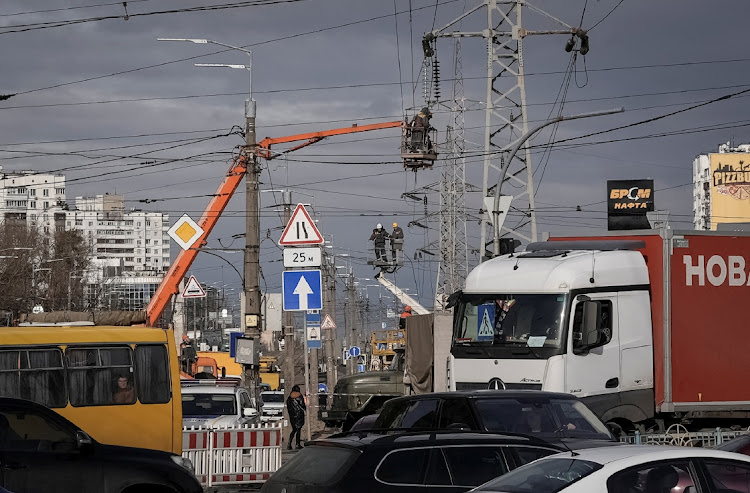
x: 302, y: 290
x: 354, y: 351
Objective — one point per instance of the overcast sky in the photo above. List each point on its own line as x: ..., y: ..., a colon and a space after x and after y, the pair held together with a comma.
x: 105, y: 102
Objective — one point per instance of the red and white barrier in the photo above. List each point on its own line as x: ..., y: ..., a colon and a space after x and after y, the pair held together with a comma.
x: 238, y: 455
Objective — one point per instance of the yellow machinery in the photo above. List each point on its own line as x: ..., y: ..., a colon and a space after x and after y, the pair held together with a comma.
x: 383, y: 343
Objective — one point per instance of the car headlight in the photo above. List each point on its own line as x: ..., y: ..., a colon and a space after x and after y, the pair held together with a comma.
x: 184, y: 462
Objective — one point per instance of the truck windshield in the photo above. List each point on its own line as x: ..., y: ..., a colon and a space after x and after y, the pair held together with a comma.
x: 529, y: 320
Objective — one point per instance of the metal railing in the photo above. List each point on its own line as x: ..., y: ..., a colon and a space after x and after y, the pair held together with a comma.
x: 678, y: 435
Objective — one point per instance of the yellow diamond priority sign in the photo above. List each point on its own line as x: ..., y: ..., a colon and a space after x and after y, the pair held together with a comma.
x: 185, y: 232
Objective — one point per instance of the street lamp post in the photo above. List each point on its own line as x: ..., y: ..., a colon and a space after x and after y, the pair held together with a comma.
x: 252, y: 322
x: 504, y: 170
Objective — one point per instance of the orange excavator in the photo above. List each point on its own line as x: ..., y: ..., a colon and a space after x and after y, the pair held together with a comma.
x: 422, y: 157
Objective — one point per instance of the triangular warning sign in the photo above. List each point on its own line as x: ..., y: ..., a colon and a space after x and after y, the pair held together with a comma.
x: 328, y: 323
x: 485, y: 329
x: 301, y: 230
x: 193, y: 289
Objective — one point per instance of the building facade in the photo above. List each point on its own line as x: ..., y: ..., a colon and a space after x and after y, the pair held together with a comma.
x: 136, y: 240
x: 721, y: 188
x: 37, y: 199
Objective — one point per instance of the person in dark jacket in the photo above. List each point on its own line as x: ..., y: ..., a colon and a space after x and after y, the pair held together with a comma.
x: 420, y: 126
x: 379, y: 235
x: 397, y: 234
x: 295, y: 405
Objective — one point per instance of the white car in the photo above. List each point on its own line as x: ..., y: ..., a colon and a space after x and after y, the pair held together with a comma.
x: 208, y: 405
x: 273, y: 405
x: 630, y: 469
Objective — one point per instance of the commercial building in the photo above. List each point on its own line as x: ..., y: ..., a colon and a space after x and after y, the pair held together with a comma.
x: 721, y: 188
x: 137, y: 239
x: 38, y: 199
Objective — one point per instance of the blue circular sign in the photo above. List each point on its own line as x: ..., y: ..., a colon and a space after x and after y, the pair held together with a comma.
x: 322, y: 388
x: 354, y: 351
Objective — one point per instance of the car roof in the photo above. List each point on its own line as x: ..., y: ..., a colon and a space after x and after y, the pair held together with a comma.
x: 474, y: 394
x: 273, y: 392
x: 645, y: 453
x: 209, y: 389
x: 366, y: 439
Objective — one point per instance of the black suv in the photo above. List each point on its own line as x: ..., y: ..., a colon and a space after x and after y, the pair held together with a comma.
x: 446, y: 462
x: 552, y: 416
x: 40, y: 451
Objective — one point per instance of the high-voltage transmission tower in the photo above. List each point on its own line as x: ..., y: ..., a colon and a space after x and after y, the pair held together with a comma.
x: 505, y: 106
x: 453, y: 267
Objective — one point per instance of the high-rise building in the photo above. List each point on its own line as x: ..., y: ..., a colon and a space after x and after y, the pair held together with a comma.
x: 34, y: 198
x: 721, y: 188
x: 136, y: 238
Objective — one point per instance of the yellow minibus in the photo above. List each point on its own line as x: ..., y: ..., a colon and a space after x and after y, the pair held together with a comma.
x: 121, y: 385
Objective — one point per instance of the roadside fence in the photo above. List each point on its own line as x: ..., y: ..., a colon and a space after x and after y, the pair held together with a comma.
x: 678, y: 435
x: 232, y: 456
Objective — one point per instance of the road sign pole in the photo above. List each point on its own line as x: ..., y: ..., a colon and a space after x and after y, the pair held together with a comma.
x: 308, y: 395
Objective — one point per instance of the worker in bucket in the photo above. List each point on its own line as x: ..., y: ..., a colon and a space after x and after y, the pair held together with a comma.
x: 419, y: 126
x: 379, y: 235
x: 397, y: 241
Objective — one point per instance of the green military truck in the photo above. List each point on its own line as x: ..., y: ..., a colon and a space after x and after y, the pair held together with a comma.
x: 364, y: 393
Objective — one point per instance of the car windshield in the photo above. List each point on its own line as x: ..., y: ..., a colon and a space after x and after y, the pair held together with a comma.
x: 271, y: 397
x: 529, y: 320
x: 542, y: 476
x: 551, y: 418
x: 315, y: 465
x: 208, y: 404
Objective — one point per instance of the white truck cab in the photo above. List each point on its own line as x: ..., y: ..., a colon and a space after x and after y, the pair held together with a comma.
x: 559, y: 319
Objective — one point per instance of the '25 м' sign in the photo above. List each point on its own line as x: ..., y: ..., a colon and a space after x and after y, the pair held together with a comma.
x: 301, y: 257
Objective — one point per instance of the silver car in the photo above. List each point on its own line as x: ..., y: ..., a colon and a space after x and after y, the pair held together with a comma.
x: 208, y: 405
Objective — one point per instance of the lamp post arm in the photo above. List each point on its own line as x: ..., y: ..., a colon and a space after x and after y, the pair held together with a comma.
x: 504, y: 170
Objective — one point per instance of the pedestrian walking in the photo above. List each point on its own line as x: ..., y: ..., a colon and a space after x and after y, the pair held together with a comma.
x: 295, y: 405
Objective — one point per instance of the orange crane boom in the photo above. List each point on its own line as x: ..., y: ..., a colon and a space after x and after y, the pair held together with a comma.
x: 170, y: 283
x: 264, y: 146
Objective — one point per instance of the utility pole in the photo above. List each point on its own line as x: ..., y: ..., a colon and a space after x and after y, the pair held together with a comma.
x: 329, y: 308
x: 253, y: 322
x: 351, y: 326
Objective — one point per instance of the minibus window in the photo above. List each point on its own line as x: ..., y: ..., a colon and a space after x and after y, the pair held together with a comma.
x: 94, y: 373
x: 36, y: 375
x: 152, y: 374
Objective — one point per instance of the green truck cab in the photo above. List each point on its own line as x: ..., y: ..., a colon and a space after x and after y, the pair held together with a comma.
x: 365, y: 393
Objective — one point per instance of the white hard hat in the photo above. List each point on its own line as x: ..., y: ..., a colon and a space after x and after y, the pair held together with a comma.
x: 379, y: 226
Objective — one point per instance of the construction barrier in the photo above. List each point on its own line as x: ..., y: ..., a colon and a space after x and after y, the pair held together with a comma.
x: 679, y: 435
x: 232, y: 456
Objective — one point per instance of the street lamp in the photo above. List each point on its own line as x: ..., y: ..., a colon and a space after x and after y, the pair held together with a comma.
x: 251, y: 263
x: 504, y: 170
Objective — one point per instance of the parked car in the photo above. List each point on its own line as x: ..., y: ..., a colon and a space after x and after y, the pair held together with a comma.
x: 209, y: 404
x: 445, y: 462
x: 630, y: 469
x: 740, y: 445
x: 548, y: 415
x: 273, y: 405
x: 40, y: 451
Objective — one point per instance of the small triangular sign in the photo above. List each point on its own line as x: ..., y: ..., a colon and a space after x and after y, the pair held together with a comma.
x: 328, y: 323
x: 301, y: 230
x: 193, y: 289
